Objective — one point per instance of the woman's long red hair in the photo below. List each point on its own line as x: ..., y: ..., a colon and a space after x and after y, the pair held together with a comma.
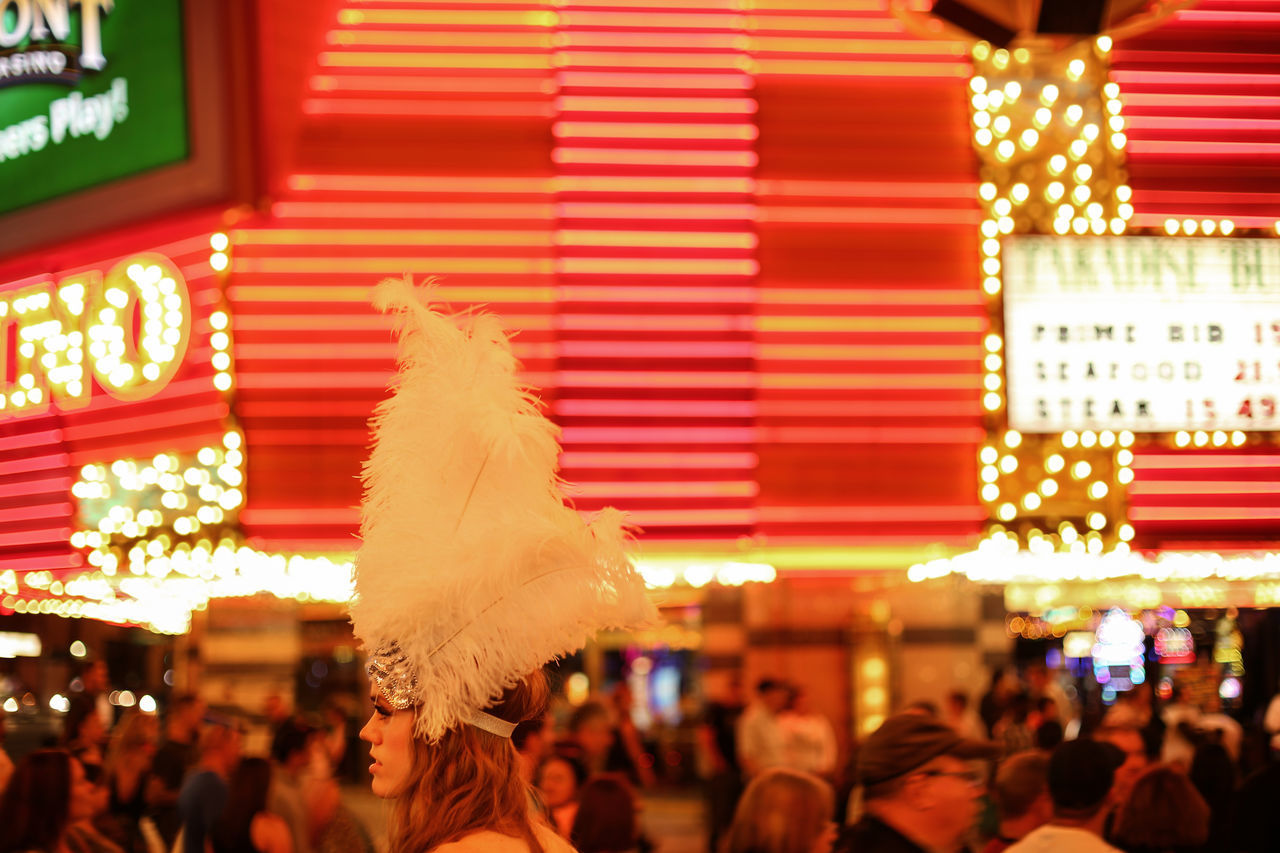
x: 469, y: 781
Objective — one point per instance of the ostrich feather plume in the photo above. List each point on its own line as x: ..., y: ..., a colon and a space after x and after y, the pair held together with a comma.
x: 471, y: 565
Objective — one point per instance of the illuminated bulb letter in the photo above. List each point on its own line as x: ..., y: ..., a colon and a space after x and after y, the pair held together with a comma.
x: 50, y: 345
x: 139, y: 326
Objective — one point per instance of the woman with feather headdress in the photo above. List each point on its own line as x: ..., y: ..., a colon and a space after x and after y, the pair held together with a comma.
x: 471, y: 575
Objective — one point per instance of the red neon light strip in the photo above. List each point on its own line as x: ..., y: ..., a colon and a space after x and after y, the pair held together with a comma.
x: 1172, y: 461
x: 1140, y: 513
x: 1203, y: 487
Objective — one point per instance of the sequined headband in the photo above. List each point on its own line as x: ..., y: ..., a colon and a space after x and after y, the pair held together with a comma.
x: 396, y: 678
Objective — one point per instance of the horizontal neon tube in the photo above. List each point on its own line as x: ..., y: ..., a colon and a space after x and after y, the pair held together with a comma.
x: 653, y: 157
x: 209, y: 415
x: 309, y: 517
x: 849, y: 352
x: 349, y: 210
x: 58, y: 484
x: 447, y: 17
x: 871, y: 513
x: 657, y: 239
x: 656, y: 266
x: 652, y: 130
x: 42, y: 563
x: 967, y: 190
x: 344, y: 353
x: 656, y: 460
x: 1232, y: 17
x: 1205, y: 461
x: 425, y: 107
x: 648, y: 184
x: 656, y: 323
x: 387, y: 237
x: 674, y: 19
x: 1203, y: 487
x: 887, y: 381
x: 692, y: 5
x: 1198, y: 513
x: 43, y: 462
x: 1191, y: 78
x: 655, y: 349
x: 1157, y: 220
x: 423, y: 184
x: 361, y: 295
x: 867, y: 296
x: 915, y: 324
x: 1200, y: 122
x: 636, y: 105
x: 572, y: 79
x: 1215, y: 100
x: 1185, y: 146
x: 468, y: 61
x: 870, y: 215
x: 532, y: 40
x: 656, y: 212
x: 348, y: 322
x: 649, y: 518
x: 873, y: 435
x: 536, y: 84
x: 833, y: 68
x: 395, y: 266
x: 820, y: 44
x: 37, y: 438
x: 651, y: 489
x: 778, y: 409
x: 656, y: 408
x: 35, y: 511
x: 657, y: 40
x: 662, y: 295
x: 659, y: 61
x: 653, y: 379
x: 44, y: 536
x: 785, y: 20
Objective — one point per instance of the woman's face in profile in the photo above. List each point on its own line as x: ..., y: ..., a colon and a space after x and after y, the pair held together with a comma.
x: 389, y: 734
x: 83, y: 794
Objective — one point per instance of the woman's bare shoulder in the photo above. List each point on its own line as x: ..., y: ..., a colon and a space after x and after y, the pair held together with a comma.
x: 494, y: 842
x: 270, y: 833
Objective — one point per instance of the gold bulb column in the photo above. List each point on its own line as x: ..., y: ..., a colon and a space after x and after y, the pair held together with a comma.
x: 1049, y: 133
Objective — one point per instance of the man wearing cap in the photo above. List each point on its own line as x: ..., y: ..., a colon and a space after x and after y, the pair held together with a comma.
x: 918, y: 791
x: 1081, y: 776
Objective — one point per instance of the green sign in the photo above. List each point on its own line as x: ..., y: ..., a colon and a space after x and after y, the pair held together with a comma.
x: 90, y: 91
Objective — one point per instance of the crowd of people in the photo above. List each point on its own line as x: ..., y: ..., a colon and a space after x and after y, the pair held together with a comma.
x: 128, y: 786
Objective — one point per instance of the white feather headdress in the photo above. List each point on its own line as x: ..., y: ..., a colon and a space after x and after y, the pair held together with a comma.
x: 472, y: 571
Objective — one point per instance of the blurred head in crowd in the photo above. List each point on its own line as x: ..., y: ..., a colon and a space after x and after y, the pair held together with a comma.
x: 134, y: 737
x: 248, y: 795
x: 916, y: 778
x: 606, y: 818
x: 186, y: 712
x: 773, y: 694
x: 291, y: 744
x: 81, y: 725
x: 592, y: 731
x: 94, y: 677
x: 783, y: 811
x: 47, y: 793
x: 532, y: 743
x: 559, y: 778
x: 1163, y: 811
x: 1128, y: 739
x: 219, y: 748
x: 1048, y: 735
x: 1081, y: 781
x: 1021, y: 793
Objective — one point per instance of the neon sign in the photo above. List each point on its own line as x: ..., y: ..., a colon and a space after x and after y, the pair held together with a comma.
x: 128, y: 330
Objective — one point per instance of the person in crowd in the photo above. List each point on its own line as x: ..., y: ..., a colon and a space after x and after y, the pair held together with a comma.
x: 1021, y: 794
x: 808, y: 740
x: 533, y: 744
x: 783, y: 811
x: 1048, y: 735
x: 1129, y: 740
x: 591, y: 736
x: 1214, y: 775
x: 1179, y: 717
x: 95, y: 682
x: 333, y: 737
x: 559, y: 779
x: 1014, y: 729
x: 205, y: 791
x: 961, y: 717
x: 83, y: 734
x: 628, y: 754
x: 1163, y: 814
x: 1043, y: 685
x: 46, y: 794
x: 127, y: 773
x: 717, y: 758
x: 1221, y: 727
x: 175, y: 755
x: 246, y: 826
x: 87, y: 835
x: 606, y: 816
x: 291, y: 748
x: 991, y: 706
x: 1081, y: 777
x: 918, y: 790
x: 1257, y: 819
x: 760, y: 739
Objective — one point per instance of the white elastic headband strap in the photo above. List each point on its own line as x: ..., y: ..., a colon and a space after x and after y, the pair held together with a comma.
x: 488, y: 723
